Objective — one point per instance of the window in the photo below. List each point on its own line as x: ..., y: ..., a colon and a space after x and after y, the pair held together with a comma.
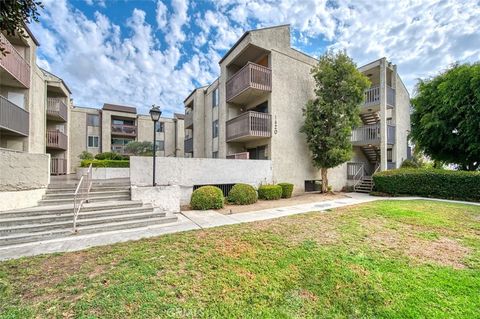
x: 93, y: 120
x: 160, y: 145
x: 92, y: 141
x: 160, y: 127
x: 215, y: 98
x: 259, y: 153
x: 123, y: 122
x: 215, y: 155
x: 262, y: 108
x: 215, y: 129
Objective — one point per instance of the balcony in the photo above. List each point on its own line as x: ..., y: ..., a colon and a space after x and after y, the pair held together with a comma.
x: 372, y: 97
x: 250, y: 82
x: 13, y: 119
x: 370, y: 134
x: 188, y: 119
x: 249, y: 126
x: 57, y: 110
x: 124, y: 130
x: 57, y: 140
x: 58, y: 166
x: 14, y: 69
x: 188, y: 145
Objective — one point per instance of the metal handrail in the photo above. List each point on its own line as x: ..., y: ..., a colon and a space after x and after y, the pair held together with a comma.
x: 81, y: 195
x: 356, y: 179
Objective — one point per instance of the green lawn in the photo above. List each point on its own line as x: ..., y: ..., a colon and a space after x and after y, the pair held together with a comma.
x: 394, y: 259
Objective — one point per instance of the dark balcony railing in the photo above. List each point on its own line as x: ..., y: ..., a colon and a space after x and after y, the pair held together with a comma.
x: 242, y: 155
x: 370, y: 134
x: 57, y: 109
x: 372, y: 96
x: 124, y: 130
x: 13, y: 118
x: 58, y: 166
x: 14, y: 63
x: 57, y: 140
x: 250, y: 76
x: 188, y: 145
x: 249, y: 124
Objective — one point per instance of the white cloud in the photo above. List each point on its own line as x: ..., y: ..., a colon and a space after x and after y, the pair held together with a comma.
x: 177, y: 21
x: 161, y: 15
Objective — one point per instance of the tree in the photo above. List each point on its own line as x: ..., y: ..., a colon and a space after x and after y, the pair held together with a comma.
x: 446, y: 116
x: 13, y: 16
x: 334, y: 112
x: 139, y: 148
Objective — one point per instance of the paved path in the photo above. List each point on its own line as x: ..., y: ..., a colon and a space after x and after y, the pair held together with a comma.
x: 188, y: 220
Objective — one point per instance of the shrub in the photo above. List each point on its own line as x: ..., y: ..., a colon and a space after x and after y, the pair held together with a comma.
x: 287, y: 189
x: 269, y: 192
x: 207, y: 197
x: 85, y: 156
x: 109, y: 156
x: 105, y: 163
x: 461, y: 185
x: 410, y: 164
x: 242, y: 194
x: 137, y: 148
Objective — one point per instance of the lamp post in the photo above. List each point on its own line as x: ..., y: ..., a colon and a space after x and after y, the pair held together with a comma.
x: 155, y: 114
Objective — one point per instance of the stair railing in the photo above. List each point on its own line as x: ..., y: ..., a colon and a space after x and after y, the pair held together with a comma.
x: 81, y: 195
x: 357, y: 178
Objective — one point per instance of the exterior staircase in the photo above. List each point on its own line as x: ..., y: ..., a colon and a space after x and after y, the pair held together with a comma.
x: 109, y: 209
x: 365, y: 185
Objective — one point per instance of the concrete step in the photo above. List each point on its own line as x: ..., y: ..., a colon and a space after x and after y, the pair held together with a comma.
x: 99, y: 183
x: 68, y: 224
x: 91, y: 194
x: 68, y: 217
x: 46, y: 202
x: 21, y: 238
x: 93, y: 189
x: 68, y: 208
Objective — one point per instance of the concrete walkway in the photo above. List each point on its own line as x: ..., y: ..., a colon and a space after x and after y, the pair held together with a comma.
x: 188, y: 220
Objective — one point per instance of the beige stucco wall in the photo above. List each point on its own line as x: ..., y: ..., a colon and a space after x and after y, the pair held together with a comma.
x: 78, y: 132
x: 37, y: 109
x: 402, y: 121
x: 179, y: 137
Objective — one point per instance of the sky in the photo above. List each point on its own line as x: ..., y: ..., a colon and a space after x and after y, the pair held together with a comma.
x: 144, y: 52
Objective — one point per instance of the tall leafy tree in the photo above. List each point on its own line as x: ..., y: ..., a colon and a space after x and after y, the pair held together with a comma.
x: 334, y: 112
x: 446, y: 116
x: 13, y: 16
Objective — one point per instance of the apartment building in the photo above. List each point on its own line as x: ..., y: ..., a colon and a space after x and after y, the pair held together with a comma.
x: 254, y: 111
x: 111, y: 128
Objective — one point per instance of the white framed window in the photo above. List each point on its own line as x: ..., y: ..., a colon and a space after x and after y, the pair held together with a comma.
x: 160, y: 127
x: 214, y: 154
x: 215, y: 129
x: 92, y: 141
x: 215, y: 98
x: 160, y: 146
x: 93, y: 120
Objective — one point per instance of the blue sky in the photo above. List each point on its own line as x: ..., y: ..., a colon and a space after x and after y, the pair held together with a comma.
x: 140, y: 52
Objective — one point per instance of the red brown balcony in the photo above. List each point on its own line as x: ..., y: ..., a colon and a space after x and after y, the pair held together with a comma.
x: 372, y: 98
x: 370, y: 134
x: 57, y: 110
x: 249, y: 126
x: 14, y: 69
x: 13, y: 119
x: 124, y: 130
x: 249, y: 82
x: 58, y: 166
x: 57, y: 140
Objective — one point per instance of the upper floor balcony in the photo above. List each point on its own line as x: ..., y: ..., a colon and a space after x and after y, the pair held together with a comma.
x: 372, y: 97
x: 13, y: 119
x: 370, y: 134
x: 14, y: 69
x: 188, y: 121
x: 124, y: 130
x: 188, y: 145
x: 57, y: 140
x: 249, y: 126
x: 57, y: 110
x: 249, y: 82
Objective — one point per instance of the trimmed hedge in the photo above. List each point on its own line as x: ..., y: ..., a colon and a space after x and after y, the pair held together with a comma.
x: 270, y: 192
x: 461, y: 185
x: 207, y: 197
x: 105, y: 163
x: 242, y: 194
x: 287, y: 189
x: 110, y: 156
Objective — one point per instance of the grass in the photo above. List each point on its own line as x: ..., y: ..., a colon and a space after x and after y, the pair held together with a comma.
x: 390, y: 259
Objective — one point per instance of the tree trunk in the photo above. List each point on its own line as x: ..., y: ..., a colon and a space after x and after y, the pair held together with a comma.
x: 324, y: 180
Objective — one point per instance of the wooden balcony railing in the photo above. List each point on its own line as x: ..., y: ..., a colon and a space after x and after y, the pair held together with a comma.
x: 249, y: 124
x: 58, y: 166
x: 188, y: 145
x: 370, y: 134
x: 57, y: 140
x: 14, y: 63
x: 13, y: 118
x: 250, y: 76
x: 124, y: 130
x: 242, y: 155
x: 57, y: 109
x: 372, y: 96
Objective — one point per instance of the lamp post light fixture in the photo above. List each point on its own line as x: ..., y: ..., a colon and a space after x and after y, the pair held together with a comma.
x: 155, y: 114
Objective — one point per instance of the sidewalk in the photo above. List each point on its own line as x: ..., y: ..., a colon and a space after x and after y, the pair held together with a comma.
x: 189, y: 220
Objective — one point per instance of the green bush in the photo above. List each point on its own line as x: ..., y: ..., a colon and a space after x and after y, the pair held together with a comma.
x: 461, y: 185
x: 287, y: 189
x: 207, y: 197
x: 85, y: 156
x: 242, y: 194
x: 410, y: 164
x: 105, y: 163
x: 109, y: 156
x: 269, y: 192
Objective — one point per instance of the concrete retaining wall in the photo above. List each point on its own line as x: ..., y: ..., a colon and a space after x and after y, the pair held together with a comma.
x: 23, y: 171
x: 105, y: 172
x: 164, y: 198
